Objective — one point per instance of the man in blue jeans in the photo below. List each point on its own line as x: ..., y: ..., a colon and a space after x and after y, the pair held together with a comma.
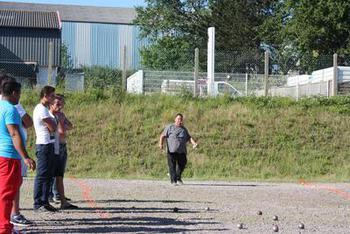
x: 45, y: 126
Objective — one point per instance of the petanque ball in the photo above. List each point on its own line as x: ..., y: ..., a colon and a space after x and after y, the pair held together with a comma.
x: 176, y: 209
x: 301, y: 226
x: 207, y: 208
x: 259, y: 212
x: 240, y: 226
x: 275, y: 217
x: 275, y: 228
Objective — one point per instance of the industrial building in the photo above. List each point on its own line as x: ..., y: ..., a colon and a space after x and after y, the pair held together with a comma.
x: 26, y: 39
x: 93, y: 35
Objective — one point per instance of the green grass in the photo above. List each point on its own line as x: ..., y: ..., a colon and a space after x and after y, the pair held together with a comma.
x: 278, y: 139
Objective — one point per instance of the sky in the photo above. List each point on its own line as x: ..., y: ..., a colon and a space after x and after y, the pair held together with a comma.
x: 103, y: 3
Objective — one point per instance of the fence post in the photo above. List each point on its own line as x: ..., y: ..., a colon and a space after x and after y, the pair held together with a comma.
x: 49, y: 69
x: 211, y: 61
x: 335, y: 75
x: 266, y: 77
x: 196, y: 71
x: 124, y: 85
x: 298, y: 91
x: 246, y: 84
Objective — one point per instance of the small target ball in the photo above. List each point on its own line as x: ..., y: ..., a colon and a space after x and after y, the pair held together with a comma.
x: 275, y: 217
x: 176, y: 209
x: 207, y: 208
x: 301, y: 226
x: 259, y: 212
x: 275, y: 228
x: 240, y: 226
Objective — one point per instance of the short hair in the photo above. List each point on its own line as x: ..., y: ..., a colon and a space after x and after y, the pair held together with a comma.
x: 60, y: 96
x: 9, y: 87
x: 46, y: 91
x: 5, y: 77
x: 179, y: 114
x: 56, y: 99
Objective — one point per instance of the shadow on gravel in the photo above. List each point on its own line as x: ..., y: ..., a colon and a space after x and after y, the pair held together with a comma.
x: 138, y: 201
x: 115, y: 225
x: 229, y: 185
x: 111, y: 210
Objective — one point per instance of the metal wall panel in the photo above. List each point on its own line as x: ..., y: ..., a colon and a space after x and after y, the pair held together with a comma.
x: 83, y: 44
x: 104, y: 45
x: 92, y: 44
x: 29, y: 45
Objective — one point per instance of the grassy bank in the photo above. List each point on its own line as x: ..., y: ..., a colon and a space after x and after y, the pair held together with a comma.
x: 116, y: 136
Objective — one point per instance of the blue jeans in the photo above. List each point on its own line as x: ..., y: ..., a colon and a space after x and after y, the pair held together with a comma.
x: 44, y: 173
x: 53, y: 189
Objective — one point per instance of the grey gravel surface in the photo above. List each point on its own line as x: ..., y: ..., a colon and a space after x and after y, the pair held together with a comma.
x: 145, y: 206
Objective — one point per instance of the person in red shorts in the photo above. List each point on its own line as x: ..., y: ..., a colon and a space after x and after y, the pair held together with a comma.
x: 12, y: 148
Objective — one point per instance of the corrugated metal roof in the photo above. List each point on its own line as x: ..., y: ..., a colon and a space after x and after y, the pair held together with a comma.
x: 29, y: 19
x: 75, y: 13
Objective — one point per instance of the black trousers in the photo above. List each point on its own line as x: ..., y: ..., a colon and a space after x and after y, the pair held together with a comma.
x: 177, y: 163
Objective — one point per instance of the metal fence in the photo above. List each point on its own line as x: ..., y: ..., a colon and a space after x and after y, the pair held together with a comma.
x: 244, y: 72
x: 74, y: 82
x: 251, y: 74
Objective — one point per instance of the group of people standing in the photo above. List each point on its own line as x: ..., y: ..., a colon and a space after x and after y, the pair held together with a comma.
x: 51, y: 125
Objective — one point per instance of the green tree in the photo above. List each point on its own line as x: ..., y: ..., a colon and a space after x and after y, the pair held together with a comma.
x: 66, y: 64
x: 170, y: 53
x: 178, y: 26
x: 321, y: 26
x: 66, y: 59
x: 307, y: 30
x: 237, y: 23
x: 173, y: 29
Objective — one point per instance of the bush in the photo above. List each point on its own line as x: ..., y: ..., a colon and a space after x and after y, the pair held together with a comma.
x: 102, y: 77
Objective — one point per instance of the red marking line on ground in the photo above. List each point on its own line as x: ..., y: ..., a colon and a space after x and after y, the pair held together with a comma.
x: 339, y: 192
x: 86, y: 190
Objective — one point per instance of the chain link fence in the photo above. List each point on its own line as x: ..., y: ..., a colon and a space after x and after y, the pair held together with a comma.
x: 74, y: 82
x: 25, y: 73
x: 236, y: 73
x: 244, y: 71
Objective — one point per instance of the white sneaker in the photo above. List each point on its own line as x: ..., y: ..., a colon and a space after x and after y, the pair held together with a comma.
x: 179, y: 182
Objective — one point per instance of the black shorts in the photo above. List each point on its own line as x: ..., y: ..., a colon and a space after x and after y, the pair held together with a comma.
x: 61, y: 161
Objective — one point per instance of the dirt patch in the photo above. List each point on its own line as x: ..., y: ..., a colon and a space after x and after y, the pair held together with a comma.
x: 129, y: 206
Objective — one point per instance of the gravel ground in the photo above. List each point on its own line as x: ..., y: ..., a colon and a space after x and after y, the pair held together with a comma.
x: 145, y: 206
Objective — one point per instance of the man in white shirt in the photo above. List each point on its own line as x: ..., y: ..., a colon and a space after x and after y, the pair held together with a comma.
x: 45, y: 127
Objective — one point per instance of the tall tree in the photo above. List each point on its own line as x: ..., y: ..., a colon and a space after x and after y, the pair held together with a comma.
x: 309, y: 29
x: 181, y: 25
x: 173, y: 28
x: 237, y: 22
x: 322, y: 26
